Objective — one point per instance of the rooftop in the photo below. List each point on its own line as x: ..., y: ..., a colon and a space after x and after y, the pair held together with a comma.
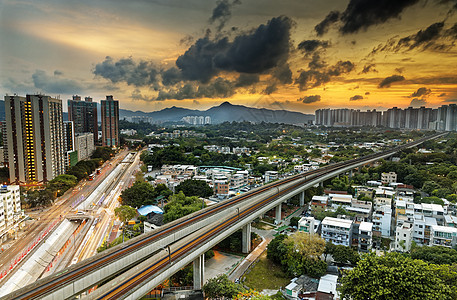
x: 337, y: 222
x: 366, y: 226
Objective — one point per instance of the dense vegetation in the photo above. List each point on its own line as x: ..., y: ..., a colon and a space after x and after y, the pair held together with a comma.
x: 394, y: 276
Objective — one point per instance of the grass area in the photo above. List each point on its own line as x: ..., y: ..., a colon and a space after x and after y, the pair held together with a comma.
x: 262, y: 225
x: 266, y: 275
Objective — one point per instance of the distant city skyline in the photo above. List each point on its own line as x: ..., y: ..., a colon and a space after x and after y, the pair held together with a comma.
x: 294, y: 55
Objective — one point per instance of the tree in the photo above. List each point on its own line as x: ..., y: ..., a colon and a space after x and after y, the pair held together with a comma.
x: 62, y: 183
x: 303, y: 254
x: 344, y: 255
x: 221, y: 287
x: 251, y: 295
x: 276, y: 250
x: 139, y: 194
x: 179, y: 206
x: 193, y: 187
x: 125, y: 213
x: 104, y: 153
x: 432, y: 200
x: 435, y: 255
x: 394, y: 276
x: 294, y: 221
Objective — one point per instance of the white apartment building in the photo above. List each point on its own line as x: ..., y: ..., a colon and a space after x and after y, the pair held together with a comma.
x: 443, y: 236
x: 337, y: 231
x: 383, y: 197
x: 403, y: 237
x: 10, y: 207
x: 387, y: 178
x: 365, y: 239
x: 84, y: 145
x: 270, y: 176
x: 382, y: 220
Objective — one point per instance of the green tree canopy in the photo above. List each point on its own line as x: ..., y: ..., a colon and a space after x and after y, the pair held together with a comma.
x: 179, y: 206
x: 62, y: 183
x: 104, y: 153
x: 294, y: 221
x: 139, y: 194
x: 436, y: 254
x: 193, y: 187
x: 221, y: 287
x: 125, y: 213
x: 394, y: 276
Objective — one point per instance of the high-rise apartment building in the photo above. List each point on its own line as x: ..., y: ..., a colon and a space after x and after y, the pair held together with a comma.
x: 84, y: 115
x: 110, y: 122
x: 35, y: 138
x: 443, y: 118
x: 71, y: 157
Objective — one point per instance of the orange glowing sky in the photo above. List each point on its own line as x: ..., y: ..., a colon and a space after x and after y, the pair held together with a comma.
x: 61, y: 48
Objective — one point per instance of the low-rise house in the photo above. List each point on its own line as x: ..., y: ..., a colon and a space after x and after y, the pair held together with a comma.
x: 365, y: 237
x: 443, y: 236
x: 337, y: 231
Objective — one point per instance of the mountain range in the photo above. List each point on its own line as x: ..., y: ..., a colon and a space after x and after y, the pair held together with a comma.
x: 222, y: 113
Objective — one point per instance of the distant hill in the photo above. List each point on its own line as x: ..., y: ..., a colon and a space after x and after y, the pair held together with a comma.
x: 224, y: 112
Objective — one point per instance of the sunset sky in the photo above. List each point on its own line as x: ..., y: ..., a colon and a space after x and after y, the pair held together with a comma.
x: 297, y: 55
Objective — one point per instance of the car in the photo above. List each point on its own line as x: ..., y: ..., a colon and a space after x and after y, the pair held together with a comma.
x: 80, y: 213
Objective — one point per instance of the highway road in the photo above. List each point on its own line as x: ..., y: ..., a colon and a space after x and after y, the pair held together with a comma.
x: 62, y: 206
x: 105, y: 213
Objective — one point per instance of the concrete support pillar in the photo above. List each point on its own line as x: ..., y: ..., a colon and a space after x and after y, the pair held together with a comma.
x: 321, y: 184
x: 350, y: 174
x: 246, y: 238
x: 199, y: 271
x: 278, y: 213
x: 302, y: 198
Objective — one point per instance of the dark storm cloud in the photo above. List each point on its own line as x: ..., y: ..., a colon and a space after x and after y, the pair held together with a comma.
x: 127, y: 70
x: 433, y: 38
x: 218, y: 88
x: 137, y: 95
x: 317, y: 77
x: 423, y: 91
x: 369, y: 68
x: 361, y: 14
x: 255, y: 52
x: 171, y: 76
x: 367, y: 93
x: 423, y: 38
x: 222, y: 12
x: 263, y: 50
x: 451, y: 100
x: 58, y: 73
x: 418, y: 102
x: 317, y: 62
x: 197, y: 63
x: 386, y: 82
x: 356, y: 97
x: 323, y: 26
x: 312, y: 45
x: 247, y: 80
x: 283, y: 73
x: 309, y: 99
x: 259, y: 51
x: 442, y: 95
x: 54, y: 84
